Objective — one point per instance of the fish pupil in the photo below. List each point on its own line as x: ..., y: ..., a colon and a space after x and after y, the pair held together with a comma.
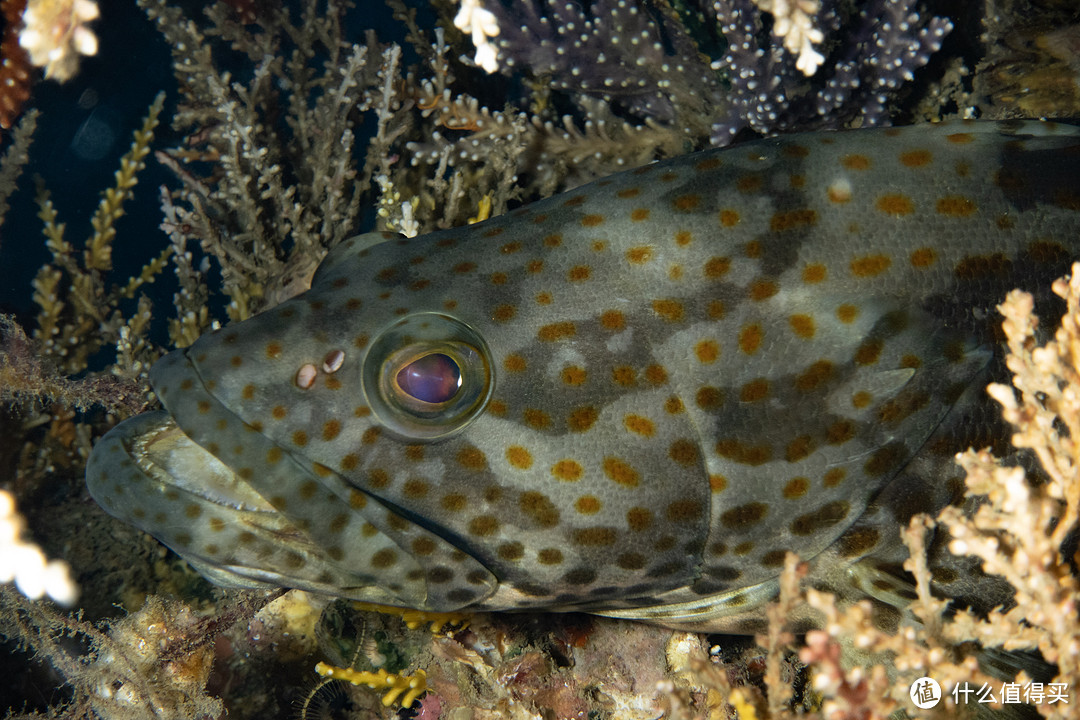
x: 433, y: 378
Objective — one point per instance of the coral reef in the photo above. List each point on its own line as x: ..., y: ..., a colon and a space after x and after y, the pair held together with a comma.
x: 15, y: 158
x: 153, y: 663
x: 49, y: 34
x: 79, y: 313
x: 643, y: 62
x: 293, y: 127
x: 879, y: 49
x: 55, y: 34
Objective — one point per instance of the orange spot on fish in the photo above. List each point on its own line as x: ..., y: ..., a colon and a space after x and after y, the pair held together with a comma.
x: 668, y: 309
x: 763, y: 290
x: 687, y: 203
x: 855, y: 162
x: 717, y: 267
x: 579, y: 273
x: 802, y: 325
x: 793, y: 220
x: 923, y: 257
x: 870, y: 265
x: 813, y: 273
x: 847, y: 313
x: 916, y: 158
x: 956, y: 206
x: 707, y: 351
x: 895, y: 204
x: 750, y: 338
x: 613, y: 320
x: 557, y: 331
x: 749, y: 184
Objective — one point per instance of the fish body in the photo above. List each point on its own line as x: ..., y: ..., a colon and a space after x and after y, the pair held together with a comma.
x: 630, y: 399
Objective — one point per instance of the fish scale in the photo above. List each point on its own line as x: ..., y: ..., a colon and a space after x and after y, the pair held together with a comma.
x: 644, y: 392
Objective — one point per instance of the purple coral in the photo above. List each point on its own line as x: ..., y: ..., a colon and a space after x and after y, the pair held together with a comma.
x: 642, y: 58
x: 636, y: 55
x: 871, y: 57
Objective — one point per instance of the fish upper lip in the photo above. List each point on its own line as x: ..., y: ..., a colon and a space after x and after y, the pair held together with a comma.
x: 160, y: 464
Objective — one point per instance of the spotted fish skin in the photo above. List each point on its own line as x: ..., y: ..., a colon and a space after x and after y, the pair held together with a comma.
x: 668, y: 379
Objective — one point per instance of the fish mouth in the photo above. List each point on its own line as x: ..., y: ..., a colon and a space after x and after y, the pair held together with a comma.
x: 149, y: 456
x: 148, y: 472
x: 166, y: 455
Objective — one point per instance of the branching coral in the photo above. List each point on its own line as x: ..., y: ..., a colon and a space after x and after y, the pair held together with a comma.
x: 49, y: 34
x: 614, y: 84
x: 27, y: 378
x: 822, y: 64
x: 407, y: 688
x: 15, y: 158
x: 79, y: 312
x: 795, y: 23
x: 877, y: 50
x: 56, y: 34
x: 284, y: 190
x: 1022, y: 533
x: 285, y: 186
x: 154, y: 663
x: 638, y: 56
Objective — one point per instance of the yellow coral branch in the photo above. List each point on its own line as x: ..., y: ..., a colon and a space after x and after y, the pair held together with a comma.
x: 15, y: 158
x: 111, y: 207
x: 413, y: 686
x: 415, y: 618
x: 744, y: 709
x: 78, y: 312
x: 47, y: 297
x: 148, y: 273
x: 483, y: 210
x: 54, y: 231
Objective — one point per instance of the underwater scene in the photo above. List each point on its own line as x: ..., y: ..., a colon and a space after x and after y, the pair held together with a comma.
x: 539, y: 359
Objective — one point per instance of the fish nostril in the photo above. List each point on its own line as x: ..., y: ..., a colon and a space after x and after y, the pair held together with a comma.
x: 333, y: 361
x: 305, y: 376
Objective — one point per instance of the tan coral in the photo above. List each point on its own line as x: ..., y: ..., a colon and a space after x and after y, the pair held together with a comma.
x: 55, y: 34
x: 77, y: 312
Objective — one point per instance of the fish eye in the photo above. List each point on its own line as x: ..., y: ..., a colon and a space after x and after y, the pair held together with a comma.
x: 427, y: 376
x: 434, y: 378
